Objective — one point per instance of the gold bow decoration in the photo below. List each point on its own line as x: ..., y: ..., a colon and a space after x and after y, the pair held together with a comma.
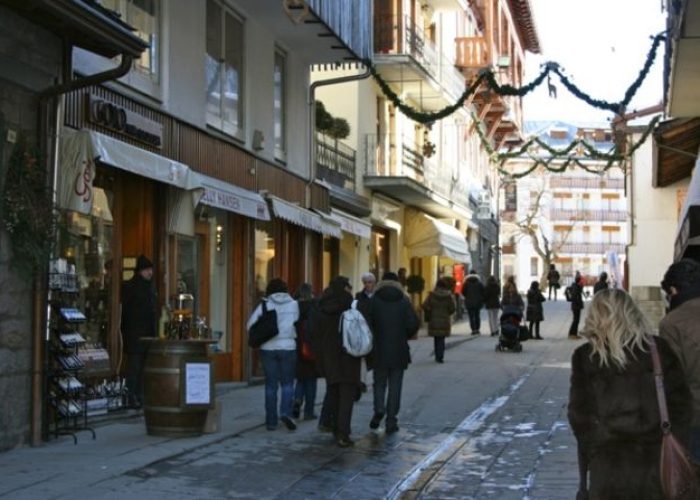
x: 296, y: 10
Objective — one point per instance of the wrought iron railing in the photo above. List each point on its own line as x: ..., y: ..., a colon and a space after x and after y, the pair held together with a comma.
x: 586, y: 182
x: 588, y: 215
x: 335, y: 162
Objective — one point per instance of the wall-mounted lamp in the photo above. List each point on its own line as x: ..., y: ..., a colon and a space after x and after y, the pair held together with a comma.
x: 219, y: 238
x: 258, y: 140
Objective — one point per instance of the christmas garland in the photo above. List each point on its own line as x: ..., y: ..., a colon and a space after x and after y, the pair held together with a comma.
x: 489, y: 77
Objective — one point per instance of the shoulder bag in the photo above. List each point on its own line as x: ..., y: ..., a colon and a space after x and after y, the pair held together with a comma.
x: 264, y: 328
x: 678, y: 479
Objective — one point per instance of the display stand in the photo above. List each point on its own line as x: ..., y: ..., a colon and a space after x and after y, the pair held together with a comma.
x: 66, y: 394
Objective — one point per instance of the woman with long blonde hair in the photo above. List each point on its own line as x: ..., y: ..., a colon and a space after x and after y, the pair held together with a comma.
x: 613, y: 410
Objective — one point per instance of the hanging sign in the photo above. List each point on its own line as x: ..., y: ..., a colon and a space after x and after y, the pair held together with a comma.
x: 125, y: 121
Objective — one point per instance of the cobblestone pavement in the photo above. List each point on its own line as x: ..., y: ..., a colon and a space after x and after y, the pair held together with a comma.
x: 483, y: 425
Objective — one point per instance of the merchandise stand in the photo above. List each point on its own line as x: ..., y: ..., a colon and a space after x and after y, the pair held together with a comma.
x: 66, y: 408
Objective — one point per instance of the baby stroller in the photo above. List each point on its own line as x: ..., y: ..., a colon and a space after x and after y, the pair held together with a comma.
x: 512, y: 332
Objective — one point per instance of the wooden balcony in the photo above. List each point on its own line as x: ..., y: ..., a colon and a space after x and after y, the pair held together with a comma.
x: 472, y: 54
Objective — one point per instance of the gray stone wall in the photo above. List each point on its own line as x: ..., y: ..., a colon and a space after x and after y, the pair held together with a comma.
x: 650, y: 300
x: 30, y: 61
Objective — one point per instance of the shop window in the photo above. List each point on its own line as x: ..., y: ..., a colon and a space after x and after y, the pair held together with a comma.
x: 264, y: 257
x: 379, y: 252
x: 143, y: 15
x: 217, y: 229
x: 187, y: 268
x: 84, y: 259
x: 224, y: 69
x: 280, y: 98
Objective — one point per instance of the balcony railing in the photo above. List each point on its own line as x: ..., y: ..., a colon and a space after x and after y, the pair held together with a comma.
x: 335, y: 162
x: 588, y: 215
x: 472, y: 52
x: 391, y: 156
x: 586, y: 183
x: 589, y: 248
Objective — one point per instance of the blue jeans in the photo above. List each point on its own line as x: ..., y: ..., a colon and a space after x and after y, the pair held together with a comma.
x: 306, y: 391
x: 393, y: 377
x: 694, y: 447
x: 280, y: 367
x: 474, y: 318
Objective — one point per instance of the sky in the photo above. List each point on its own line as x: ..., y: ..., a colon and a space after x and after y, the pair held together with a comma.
x: 601, y: 45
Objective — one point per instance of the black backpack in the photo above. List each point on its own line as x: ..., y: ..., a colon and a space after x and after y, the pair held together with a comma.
x: 569, y: 293
x: 264, y: 328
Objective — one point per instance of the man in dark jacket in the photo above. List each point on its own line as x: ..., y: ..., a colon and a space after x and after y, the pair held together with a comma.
x: 553, y: 281
x: 473, y: 291
x: 681, y: 328
x: 393, y: 322
x: 369, y: 281
x: 602, y: 283
x: 576, y: 292
x: 138, y: 320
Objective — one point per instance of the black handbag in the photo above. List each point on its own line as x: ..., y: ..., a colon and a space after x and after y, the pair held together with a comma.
x: 264, y: 328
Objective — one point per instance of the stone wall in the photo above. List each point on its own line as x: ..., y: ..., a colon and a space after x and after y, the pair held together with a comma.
x: 30, y: 61
x: 651, y: 302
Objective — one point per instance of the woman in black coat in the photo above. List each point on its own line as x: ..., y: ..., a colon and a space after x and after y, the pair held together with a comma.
x: 492, y: 302
x: 613, y: 409
x: 341, y: 370
x: 535, y: 311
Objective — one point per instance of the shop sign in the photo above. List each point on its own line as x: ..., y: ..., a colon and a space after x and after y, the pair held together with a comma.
x: 221, y: 199
x: 125, y: 121
x: 75, y: 188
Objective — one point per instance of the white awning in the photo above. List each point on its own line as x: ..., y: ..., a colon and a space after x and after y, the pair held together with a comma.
x: 81, y: 149
x: 221, y: 194
x: 304, y: 218
x: 351, y: 224
x: 427, y: 237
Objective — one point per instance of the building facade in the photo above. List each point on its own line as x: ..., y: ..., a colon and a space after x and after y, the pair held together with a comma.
x: 576, y: 219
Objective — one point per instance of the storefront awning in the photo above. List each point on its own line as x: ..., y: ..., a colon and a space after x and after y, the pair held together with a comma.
x: 351, y: 224
x: 428, y: 237
x: 82, y: 149
x: 232, y: 198
x: 688, y: 237
x: 304, y: 218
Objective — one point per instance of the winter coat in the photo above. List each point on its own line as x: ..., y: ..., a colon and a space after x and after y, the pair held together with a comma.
x: 138, y: 313
x: 681, y: 329
x: 332, y: 361
x: 306, y: 369
x: 615, y: 417
x: 440, y: 306
x: 363, y: 303
x: 600, y: 285
x: 492, y: 296
x: 553, y: 278
x: 512, y: 299
x: 393, y: 322
x: 576, y: 297
x: 287, y: 315
x: 535, y: 311
x: 473, y: 291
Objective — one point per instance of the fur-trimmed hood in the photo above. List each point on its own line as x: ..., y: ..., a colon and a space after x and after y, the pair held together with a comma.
x: 390, y: 291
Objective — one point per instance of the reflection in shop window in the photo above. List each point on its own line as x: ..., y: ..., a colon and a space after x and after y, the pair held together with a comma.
x: 218, y: 280
x: 264, y: 257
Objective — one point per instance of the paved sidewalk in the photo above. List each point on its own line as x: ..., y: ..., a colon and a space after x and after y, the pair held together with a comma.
x: 60, y: 468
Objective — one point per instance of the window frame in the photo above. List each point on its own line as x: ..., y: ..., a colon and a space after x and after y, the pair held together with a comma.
x: 218, y: 122
x: 281, y: 152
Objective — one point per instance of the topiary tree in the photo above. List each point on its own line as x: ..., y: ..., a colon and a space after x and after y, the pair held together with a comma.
x: 340, y: 128
x: 324, y: 120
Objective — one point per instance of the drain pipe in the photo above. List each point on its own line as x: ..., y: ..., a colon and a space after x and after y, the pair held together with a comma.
x: 312, y: 134
x: 50, y: 107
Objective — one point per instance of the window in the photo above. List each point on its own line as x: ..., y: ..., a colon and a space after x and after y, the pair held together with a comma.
x: 534, y: 266
x: 224, y: 69
x: 280, y: 81
x: 143, y: 16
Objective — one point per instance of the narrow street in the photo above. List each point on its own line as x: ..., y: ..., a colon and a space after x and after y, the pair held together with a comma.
x: 483, y: 425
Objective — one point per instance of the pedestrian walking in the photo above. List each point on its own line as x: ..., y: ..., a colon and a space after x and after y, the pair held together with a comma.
x: 139, y: 304
x: 602, y: 283
x: 438, y: 309
x: 492, y: 302
x: 553, y: 278
x: 613, y: 409
x: 535, y: 311
x: 369, y: 281
x: 393, y: 322
x: 306, y: 373
x: 342, y: 371
x: 681, y: 329
x: 574, y: 294
x: 511, y: 296
x: 279, y: 354
x: 473, y: 291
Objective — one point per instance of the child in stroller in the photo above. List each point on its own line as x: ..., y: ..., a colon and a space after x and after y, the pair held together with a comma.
x: 512, y: 332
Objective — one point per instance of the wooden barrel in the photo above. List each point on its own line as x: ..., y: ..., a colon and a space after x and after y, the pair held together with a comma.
x: 164, y: 408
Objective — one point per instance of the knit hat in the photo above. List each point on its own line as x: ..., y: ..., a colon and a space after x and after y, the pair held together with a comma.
x: 143, y: 263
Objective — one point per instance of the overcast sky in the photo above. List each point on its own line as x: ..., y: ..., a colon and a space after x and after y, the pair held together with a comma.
x: 601, y: 45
